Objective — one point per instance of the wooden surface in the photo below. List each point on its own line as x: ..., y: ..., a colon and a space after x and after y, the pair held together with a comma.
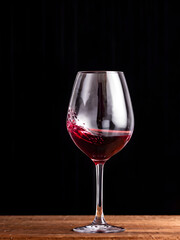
x: 60, y: 227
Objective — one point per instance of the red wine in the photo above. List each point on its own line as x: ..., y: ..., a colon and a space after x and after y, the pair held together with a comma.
x: 97, y: 144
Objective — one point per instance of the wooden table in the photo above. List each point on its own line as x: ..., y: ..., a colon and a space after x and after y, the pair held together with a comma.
x: 60, y: 227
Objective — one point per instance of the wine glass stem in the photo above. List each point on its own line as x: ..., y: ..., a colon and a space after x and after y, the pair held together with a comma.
x: 99, y: 217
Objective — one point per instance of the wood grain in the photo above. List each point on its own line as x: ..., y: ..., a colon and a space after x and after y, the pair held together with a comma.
x: 60, y: 227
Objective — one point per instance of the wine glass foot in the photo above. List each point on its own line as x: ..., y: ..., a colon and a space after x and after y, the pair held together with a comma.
x: 103, y: 228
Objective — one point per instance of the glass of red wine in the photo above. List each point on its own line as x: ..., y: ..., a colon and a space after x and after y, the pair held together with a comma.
x: 100, y: 121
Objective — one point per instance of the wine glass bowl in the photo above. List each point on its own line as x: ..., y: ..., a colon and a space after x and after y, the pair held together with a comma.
x: 100, y: 121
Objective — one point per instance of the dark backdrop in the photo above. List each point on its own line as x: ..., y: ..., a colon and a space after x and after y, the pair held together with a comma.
x: 43, y: 45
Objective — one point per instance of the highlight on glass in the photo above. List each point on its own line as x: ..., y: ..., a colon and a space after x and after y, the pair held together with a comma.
x: 100, y: 122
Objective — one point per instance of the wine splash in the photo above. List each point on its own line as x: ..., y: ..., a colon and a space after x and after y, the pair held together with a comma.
x: 98, y: 144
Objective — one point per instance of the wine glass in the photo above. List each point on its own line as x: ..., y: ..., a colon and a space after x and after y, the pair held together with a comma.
x: 100, y: 121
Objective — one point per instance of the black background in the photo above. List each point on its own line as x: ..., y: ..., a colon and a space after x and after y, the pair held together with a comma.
x: 43, y: 45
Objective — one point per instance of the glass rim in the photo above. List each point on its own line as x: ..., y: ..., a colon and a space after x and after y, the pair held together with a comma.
x: 90, y: 72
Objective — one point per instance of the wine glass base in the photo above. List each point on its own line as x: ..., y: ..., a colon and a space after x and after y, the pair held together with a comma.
x: 103, y: 228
